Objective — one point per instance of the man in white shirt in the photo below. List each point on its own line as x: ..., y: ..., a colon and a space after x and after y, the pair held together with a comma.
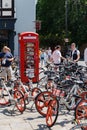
x: 56, y: 56
x: 85, y: 56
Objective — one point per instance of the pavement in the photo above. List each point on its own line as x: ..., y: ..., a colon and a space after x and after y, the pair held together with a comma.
x: 32, y: 120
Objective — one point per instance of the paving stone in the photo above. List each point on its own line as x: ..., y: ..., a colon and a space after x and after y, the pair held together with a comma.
x: 5, y: 127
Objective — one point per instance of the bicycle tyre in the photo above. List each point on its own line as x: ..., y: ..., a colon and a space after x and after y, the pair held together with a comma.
x: 52, y: 112
x: 81, y: 112
x: 42, y: 101
x: 20, y: 102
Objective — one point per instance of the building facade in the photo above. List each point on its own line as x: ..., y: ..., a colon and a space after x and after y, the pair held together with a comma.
x: 16, y: 16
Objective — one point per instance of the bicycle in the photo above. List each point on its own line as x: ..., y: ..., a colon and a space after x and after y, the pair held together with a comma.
x: 81, y: 113
x: 11, y: 96
x: 44, y: 104
x: 56, y: 90
x: 70, y: 98
x: 28, y: 90
x: 51, y: 117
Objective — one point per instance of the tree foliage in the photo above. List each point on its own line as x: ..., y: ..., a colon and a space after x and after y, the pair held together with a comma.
x: 52, y: 16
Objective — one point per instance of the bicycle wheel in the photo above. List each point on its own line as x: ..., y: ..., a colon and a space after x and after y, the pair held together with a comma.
x: 52, y: 112
x: 20, y: 103
x: 42, y: 101
x: 35, y: 91
x: 81, y: 113
x: 4, y: 97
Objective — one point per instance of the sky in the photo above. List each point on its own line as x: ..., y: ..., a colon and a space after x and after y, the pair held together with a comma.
x: 36, y: 1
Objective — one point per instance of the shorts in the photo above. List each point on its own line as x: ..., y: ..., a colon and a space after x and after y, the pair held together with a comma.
x: 6, y: 72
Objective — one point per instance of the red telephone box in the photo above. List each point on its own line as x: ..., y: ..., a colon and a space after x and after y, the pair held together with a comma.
x: 29, y: 56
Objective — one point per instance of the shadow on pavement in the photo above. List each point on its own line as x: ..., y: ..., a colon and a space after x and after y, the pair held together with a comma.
x: 34, y: 118
x: 11, y: 113
x: 63, y: 123
x: 43, y: 127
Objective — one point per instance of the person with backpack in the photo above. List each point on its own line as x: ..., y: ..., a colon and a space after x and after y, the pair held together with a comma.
x: 75, y: 53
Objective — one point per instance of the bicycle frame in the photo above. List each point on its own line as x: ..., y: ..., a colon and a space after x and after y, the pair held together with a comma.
x: 68, y: 106
x: 73, y: 92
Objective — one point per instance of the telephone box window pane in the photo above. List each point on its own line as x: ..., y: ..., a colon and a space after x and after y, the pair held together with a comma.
x: 6, y: 4
x: 7, y: 13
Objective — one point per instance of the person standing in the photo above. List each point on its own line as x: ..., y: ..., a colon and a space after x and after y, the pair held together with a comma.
x: 57, y: 56
x: 85, y: 56
x: 45, y: 57
x: 49, y: 53
x: 6, y: 59
x: 75, y: 54
x: 42, y: 58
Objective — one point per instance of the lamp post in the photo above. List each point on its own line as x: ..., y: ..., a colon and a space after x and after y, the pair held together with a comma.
x: 66, y: 17
x: 66, y: 28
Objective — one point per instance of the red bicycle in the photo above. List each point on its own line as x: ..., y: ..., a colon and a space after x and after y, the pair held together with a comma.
x: 81, y: 113
x: 10, y: 96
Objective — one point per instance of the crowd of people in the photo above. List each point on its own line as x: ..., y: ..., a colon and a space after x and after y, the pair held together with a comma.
x: 45, y: 55
x: 56, y: 56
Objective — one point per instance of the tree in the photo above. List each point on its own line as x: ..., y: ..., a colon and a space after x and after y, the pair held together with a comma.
x: 78, y: 20
x: 52, y: 15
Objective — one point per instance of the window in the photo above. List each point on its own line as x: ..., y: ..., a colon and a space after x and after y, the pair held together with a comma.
x: 6, y: 8
x: 7, y: 13
x: 6, y: 4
